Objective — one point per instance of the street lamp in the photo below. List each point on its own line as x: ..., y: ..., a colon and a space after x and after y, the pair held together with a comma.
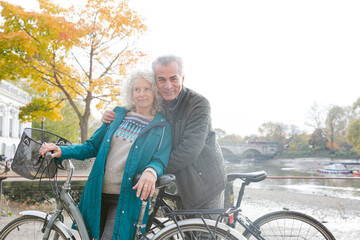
x: 42, y: 119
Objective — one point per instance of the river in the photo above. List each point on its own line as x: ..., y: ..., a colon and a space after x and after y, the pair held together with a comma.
x: 340, y: 185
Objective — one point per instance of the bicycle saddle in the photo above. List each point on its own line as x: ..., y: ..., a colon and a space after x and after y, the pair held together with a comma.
x: 250, y: 177
x: 162, y: 181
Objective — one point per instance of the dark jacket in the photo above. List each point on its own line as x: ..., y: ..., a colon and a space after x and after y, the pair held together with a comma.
x: 150, y: 149
x: 196, y: 157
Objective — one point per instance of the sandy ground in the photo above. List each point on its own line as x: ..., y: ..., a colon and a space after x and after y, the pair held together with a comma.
x: 340, y: 216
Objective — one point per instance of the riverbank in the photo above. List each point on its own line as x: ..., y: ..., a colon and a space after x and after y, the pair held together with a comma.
x: 319, y: 154
x: 341, y: 216
x: 295, y: 155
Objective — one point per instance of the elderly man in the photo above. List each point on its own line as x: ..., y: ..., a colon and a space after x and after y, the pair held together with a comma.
x: 196, y: 159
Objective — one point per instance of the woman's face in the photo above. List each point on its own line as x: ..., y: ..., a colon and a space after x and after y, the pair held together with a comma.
x: 143, y: 96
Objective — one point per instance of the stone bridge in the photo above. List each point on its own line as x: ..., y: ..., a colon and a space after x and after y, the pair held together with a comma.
x: 252, y: 149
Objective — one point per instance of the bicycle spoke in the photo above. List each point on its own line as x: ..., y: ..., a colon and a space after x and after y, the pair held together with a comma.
x: 288, y: 225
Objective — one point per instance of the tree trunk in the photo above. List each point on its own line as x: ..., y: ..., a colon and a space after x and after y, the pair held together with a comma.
x: 84, y: 122
x: 332, y: 137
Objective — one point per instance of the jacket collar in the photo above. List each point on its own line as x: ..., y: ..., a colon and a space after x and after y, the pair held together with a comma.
x: 170, y: 108
x: 174, y: 103
x: 121, y: 112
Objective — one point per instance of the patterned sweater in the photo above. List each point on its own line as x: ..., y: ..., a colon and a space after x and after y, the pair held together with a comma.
x: 124, y: 137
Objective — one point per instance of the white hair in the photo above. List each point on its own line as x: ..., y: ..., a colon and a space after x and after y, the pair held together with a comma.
x: 128, y: 90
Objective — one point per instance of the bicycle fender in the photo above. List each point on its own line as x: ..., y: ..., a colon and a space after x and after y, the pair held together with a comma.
x: 57, y: 223
x: 198, y: 221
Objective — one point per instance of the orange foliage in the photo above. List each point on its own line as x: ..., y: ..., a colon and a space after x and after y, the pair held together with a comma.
x: 82, y: 52
x: 328, y: 145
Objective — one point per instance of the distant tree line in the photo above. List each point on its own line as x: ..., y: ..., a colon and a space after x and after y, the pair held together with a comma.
x: 335, y: 130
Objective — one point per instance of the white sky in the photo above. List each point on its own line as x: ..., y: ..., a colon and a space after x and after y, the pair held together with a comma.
x: 260, y: 60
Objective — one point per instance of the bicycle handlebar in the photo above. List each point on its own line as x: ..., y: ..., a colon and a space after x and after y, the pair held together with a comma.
x: 48, y: 156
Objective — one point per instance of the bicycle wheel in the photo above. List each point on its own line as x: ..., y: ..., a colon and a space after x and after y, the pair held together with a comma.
x: 28, y: 227
x: 290, y: 225
x: 196, y: 229
x: 156, y: 226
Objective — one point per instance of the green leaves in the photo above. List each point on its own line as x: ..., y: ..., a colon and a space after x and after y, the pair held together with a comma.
x: 40, y: 107
x: 353, y: 134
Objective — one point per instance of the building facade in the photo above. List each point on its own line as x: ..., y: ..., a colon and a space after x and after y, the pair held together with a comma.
x: 11, y: 99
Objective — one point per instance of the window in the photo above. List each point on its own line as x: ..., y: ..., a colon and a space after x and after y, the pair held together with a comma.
x: 1, y: 126
x: 3, y: 146
x: 11, y: 128
x: 20, y: 131
x: 13, y: 149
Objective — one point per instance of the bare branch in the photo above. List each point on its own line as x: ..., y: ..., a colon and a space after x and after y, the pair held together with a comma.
x: 79, y: 64
x: 108, y: 68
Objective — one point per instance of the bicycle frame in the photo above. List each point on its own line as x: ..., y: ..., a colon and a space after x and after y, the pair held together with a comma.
x: 70, y: 205
x: 176, y: 215
x: 161, y: 203
x: 65, y: 203
x: 244, y: 221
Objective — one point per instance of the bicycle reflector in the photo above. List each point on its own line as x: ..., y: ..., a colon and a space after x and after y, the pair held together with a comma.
x: 231, y: 218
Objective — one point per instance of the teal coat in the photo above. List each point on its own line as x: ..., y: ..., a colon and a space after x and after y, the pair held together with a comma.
x: 150, y: 149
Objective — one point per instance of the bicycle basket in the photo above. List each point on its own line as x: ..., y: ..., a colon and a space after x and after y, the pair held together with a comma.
x: 28, y: 162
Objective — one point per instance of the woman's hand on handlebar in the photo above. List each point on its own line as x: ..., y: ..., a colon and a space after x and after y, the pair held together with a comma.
x: 145, y: 185
x: 51, y: 147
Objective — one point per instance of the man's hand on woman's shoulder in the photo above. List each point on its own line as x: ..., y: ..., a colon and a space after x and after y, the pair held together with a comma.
x: 108, y: 116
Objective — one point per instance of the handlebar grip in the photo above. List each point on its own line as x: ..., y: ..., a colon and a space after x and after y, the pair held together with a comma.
x: 48, y: 156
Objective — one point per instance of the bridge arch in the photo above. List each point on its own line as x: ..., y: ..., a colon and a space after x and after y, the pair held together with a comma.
x: 251, y: 153
x: 227, y: 151
x: 241, y: 148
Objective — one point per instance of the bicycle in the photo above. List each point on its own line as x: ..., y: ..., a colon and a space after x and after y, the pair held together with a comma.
x: 41, y: 225
x: 274, y: 225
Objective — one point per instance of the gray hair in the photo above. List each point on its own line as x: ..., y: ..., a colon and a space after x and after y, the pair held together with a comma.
x: 166, y: 60
x: 128, y: 90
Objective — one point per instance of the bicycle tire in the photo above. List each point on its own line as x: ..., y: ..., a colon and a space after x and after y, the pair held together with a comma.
x: 196, y: 229
x: 28, y: 227
x: 290, y: 225
x: 157, y: 225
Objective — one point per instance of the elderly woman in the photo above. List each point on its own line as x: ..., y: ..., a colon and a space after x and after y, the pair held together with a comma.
x: 137, y: 141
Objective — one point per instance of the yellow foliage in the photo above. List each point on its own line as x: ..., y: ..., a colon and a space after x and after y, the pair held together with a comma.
x: 328, y: 145
x: 76, y: 53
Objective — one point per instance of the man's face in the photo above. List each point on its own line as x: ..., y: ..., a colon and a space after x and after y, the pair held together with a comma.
x: 168, y: 81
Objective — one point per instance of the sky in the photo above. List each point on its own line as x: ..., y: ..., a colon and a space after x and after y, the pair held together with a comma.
x: 258, y: 61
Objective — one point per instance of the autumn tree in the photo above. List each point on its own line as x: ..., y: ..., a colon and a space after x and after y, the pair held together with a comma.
x: 231, y: 138
x: 299, y: 142
x: 292, y: 132
x: 315, y: 119
x: 318, y: 139
x: 356, y: 109
x: 295, y: 139
x: 353, y: 130
x: 353, y: 134
x: 68, y: 128
x: 274, y: 132
x: 336, y: 124
x: 77, y: 54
